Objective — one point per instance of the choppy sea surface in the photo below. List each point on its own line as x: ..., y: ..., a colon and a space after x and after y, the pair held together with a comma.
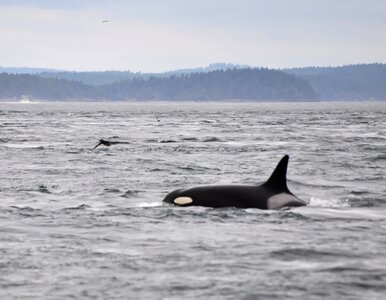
x: 77, y: 223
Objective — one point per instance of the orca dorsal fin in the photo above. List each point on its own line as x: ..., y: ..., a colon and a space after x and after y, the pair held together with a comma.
x: 278, y: 179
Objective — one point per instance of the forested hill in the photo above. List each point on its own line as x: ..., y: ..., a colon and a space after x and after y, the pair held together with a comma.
x: 216, y: 82
x: 234, y: 84
x: 231, y: 84
x: 110, y: 77
x: 353, y: 82
x: 94, y: 78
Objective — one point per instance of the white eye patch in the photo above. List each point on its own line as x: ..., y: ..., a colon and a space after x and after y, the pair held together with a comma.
x: 183, y: 200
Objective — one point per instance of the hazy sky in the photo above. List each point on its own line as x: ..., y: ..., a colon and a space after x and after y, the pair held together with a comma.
x: 160, y: 35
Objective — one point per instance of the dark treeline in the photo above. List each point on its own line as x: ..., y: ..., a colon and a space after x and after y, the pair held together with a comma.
x: 227, y: 82
x: 232, y: 84
x: 93, y: 78
x: 110, y: 77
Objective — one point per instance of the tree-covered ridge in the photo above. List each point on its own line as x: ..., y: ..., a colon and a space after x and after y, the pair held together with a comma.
x: 110, y: 77
x: 232, y: 84
x: 93, y: 78
x: 354, y: 82
x: 235, y: 84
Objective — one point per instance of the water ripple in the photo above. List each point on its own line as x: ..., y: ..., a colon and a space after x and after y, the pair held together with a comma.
x: 81, y: 223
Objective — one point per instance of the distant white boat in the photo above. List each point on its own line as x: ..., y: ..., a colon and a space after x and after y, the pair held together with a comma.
x: 24, y: 99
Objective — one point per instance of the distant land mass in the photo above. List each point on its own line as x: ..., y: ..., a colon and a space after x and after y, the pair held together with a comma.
x: 216, y: 82
x: 353, y: 82
x: 232, y: 84
x: 15, y: 86
x: 110, y: 77
x: 14, y: 70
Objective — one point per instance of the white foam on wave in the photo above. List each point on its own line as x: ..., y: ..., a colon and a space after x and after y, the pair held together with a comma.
x: 331, y: 202
x: 25, y: 146
x: 344, y: 213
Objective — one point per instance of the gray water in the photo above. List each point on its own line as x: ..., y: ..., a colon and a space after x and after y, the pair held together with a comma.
x: 77, y: 223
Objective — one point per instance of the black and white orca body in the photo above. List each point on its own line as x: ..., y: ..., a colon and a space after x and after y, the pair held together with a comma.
x: 273, y: 194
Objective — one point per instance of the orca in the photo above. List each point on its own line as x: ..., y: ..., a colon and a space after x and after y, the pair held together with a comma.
x: 273, y: 194
x: 107, y: 143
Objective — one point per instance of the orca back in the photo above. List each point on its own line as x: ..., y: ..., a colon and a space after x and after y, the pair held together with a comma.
x: 277, y: 182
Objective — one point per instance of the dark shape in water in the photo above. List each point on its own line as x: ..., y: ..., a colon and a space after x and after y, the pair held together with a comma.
x: 43, y: 189
x: 168, y: 141
x: 273, y: 194
x: 107, y: 143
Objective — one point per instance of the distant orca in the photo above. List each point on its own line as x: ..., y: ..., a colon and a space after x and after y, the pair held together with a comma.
x: 273, y: 194
x: 108, y: 143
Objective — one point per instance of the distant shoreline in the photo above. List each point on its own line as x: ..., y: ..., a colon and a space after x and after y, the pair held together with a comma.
x: 362, y: 82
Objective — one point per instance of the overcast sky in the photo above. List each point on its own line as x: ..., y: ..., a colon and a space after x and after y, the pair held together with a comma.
x: 160, y: 35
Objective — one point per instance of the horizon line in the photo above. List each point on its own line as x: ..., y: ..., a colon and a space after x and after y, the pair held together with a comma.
x: 240, y: 66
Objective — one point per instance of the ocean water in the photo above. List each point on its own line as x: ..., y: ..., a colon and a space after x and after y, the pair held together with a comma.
x: 77, y: 223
